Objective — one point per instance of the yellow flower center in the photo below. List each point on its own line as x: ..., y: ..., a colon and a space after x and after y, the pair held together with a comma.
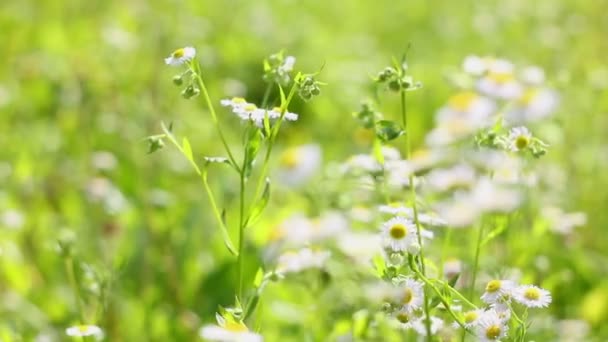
x: 408, y: 295
x: 179, y: 53
x: 290, y: 158
x: 532, y: 294
x: 522, y: 142
x: 470, y: 316
x: 398, y: 231
x: 83, y: 328
x: 501, y: 78
x: 462, y: 101
x: 403, y: 317
x: 493, y: 286
x: 528, y: 96
x: 235, y: 326
x: 250, y: 107
x: 238, y: 100
x: 492, y: 332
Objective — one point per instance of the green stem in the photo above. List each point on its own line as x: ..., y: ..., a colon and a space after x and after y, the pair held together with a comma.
x: 476, y: 260
x: 195, y: 67
x: 427, y: 320
x: 241, y: 235
x: 266, y: 95
x: 69, y: 267
x: 444, y: 249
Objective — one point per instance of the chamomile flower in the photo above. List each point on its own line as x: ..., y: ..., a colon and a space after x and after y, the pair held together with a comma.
x: 490, y: 327
x: 458, y: 176
x: 497, y: 290
x: 398, y: 234
x: 471, y: 318
x: 427, y: 219
x: 294, y: 262
x: 229, y: 332
x: 490, y: 196
x: 500, y: 82
x: 409, y: 295
x: 84, y: 330
x: 519, y: 138
x: 181, y: 56
x: 474, y: 65
x: 532, y: 296
x: 250, y: 112
x: 298, y: 164
x: 404, y: 319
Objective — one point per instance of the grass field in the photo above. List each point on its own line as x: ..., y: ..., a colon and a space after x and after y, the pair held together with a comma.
x: 98, y: 234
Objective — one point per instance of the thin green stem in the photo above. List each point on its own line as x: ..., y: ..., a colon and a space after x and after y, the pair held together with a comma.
x: 476, y: 260
x: 69, y: 267
x: 199, y: 80
x: 427, y: 320
x: 241, y: 235
x: 266, y: 95
x: 444, y: 249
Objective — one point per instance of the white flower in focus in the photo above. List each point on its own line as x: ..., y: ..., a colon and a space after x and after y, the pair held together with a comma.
x: 298, y: 164
x: 519, y: 138
x: 471, y: 318
x: 398, y: 234
x: 490, y: 327
x: 420, y: 326
x: 532, y: 296
x: 497, y: 290
x: 181, y: 56
x: 293, y: 262
x: 85, y: 330
x: 229, y: 332
x: 247, y: 111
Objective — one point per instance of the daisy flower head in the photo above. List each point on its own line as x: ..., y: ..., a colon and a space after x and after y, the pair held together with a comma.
x: 410, y: 295
x: 85, y: 330
x: 496, y: 290
x: 398, y: 234
x: 500, y: 82
x: 181, y: 56
x: 404, y: 319
x: 532, y: 296
x: 532, y: 105
x: 471, y: 318
x: 519, y: 138
x: 490, y: 327
x: 474, y: 65
x: 228, y: 331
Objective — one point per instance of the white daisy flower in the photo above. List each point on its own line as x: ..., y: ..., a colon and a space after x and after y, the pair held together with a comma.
x: 503, y: 310
x: 471, y: 318
x: 250, y: 112
x: 409, y: 295
x: 85, y: 330
x: 419, y: 325
x: 533, y: 75
x: 490, y: 327
x: 562, y: 222
x: 362, y: 162
x: 181, y: 56
x: 532, y: 296
x: 360, y: 247
x: 298, y: 164
x: 532, y: 105
x: 294, y: 262
x: 288, y: 64
x: 459, y: 212
x: 468, y: 106
x: 497, y: 290
x: 398, y: 234
x: 404, y: 319
x: 519, y: 138
x: 229, y: 332
x: 427, y: 219
x: 489, y: 196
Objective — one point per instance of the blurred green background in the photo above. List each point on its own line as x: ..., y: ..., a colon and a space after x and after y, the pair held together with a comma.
x: 82, y: 83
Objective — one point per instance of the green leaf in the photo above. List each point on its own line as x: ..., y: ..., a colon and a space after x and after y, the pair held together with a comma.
x: 251, y: 305
x: 387, y: 130
x: 254, y: 143
x: 259, y: 276
x: 261, y: 204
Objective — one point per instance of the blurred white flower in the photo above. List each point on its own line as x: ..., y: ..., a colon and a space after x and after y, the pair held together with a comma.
x: 562, y: 222
x: 298, y: 164
x: 305, y: 258
x: 458, y: 176
x: 500, y: 83
x: 103, y: 160
x: 419, y: 325
x: 85, y: 330
x: 471, y: 318
x: 361, y: 247
x: 532, y: 296
x: 532, y: 105
x: 181, y: 56
x: 13, y: 219
x: 247, y: 111
x: 474, y: 65
x: 489, y: 196
x: 428, y: 219
x: 409, y: 295
x: 533, y: 75
x: 229, y: 332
